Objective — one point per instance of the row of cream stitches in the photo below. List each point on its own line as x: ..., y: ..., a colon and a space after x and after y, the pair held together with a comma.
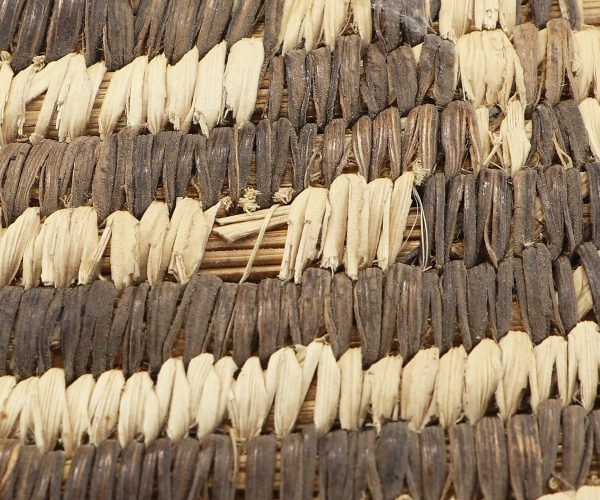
x: 68, y: 247
x: 208, y: 394
x: 359, y: 224
x: 485, y: 63
x: 490, y: 459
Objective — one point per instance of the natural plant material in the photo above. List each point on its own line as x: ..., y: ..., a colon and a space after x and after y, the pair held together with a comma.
x: 13, y: 117
x: 115, y: 101
x: 242, y: 78
x: 155, y: 87
x: 515, y: 144
x: 49, y: 81
x: 181, y: 81
x: 560, y: 61
x: 76, y: 99
x: 590, y: 113
x: 208, y: 95
x: 489, y: 68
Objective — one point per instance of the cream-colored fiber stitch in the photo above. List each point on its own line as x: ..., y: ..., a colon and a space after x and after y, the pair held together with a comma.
x: 207, y: 394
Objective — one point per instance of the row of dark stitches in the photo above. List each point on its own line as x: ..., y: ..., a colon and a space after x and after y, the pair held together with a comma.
x: 491, y: 459
x: 401, y: 310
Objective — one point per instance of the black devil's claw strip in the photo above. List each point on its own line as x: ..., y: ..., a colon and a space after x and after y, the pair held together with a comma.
x: 212, y: 157
x: 260, y: 469
x: 548, y: 420
x: 109, y: 179
x: 77, y: 170
x: 10, y: 15
x: 277, y: 83
x: 567, y: 299
x: 10, y: 298
x: 94, y: 23
x: 243, y: 19
x: 32, y: 33
x: 402, y: 72
x: 102, y: 481
x: 386, y: 20
x: 80, y: 472
x: 463, y: 459
x: 339, y: 314
x: 433, y: 461
x: 525, y: 41
x: 97, y: 322
x: 215, y: 15
x: 362, y: 141
x: 524, y: 456
x: 244, y: 333
x: 49, y: 176
x: 413, y: 21
x: 481, y: 301
x: 578, y: 445
x: 332, y: 150
x: 454, y: 305
x: 181, y: 28
x: 203, y: 300
x: 64, y: 30
x: 591, y: 262
x: 168, y: 165
x: 12, y: 159
x: 492, y: 459
x: 298, y: 85
x: 319, y: 65
x: 454, y: 198
x: 269, y: 316
x: 312, y: 302
x: 184, y: 463
x: 221, y: 320
x: 368, y: 308
x: 273, y: 13
x: 302, y: 147
x: 431, y: 307
x: 29, y: 325
x: 559, y: 65
x: 134, y: 336
x: 469, y: 220
x: 349, y: 76
x: 571, y: 124
x: 374, y: 85
x: 128, y: 482
x: 118, y: 35
x: 47, y: 335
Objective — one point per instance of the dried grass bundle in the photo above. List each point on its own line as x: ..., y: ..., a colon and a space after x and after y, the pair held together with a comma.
x: 586, y: 48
